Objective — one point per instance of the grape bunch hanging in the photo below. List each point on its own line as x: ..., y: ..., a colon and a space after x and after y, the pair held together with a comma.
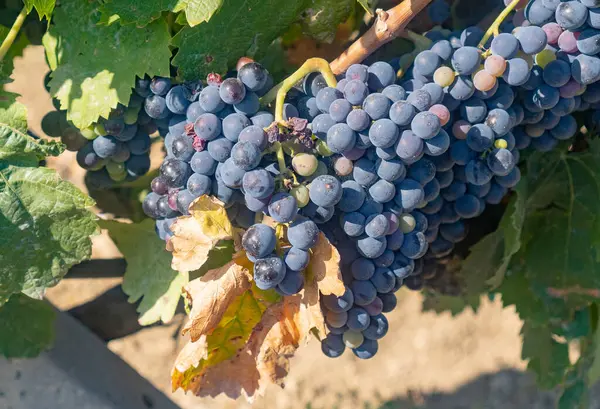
x: 390, y: 167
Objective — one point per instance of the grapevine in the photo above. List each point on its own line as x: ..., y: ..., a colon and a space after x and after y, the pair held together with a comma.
x: 290, y: 205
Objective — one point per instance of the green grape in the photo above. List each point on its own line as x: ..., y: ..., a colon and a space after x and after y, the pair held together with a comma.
x: 99, y: 129
x: 501, y: 144
x: 300, y: 193
x: 353, y: 339
x: 118, y: 177
x: 89, y: 133
x: 115, y: 168
x: 323, y: 149
x: 131, y: 115
x: 304, y: 164
x: 443, y: 76
x: 321, y: 170
x: 99, y: 165
x: 544, y: 58
x: 407, y: 223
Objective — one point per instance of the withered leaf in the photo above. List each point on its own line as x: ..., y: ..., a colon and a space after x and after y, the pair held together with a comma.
x: 211, y: 295
x: 324, y: 267
x: 195, y: 235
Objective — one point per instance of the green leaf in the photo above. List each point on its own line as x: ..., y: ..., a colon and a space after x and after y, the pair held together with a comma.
x: 322, y: 18
x: 95, y: 65
x: 27, y: 327
x: 562, y: 250
x: 440, y: 303
x: 594, y: 370
x: 198, y: 11
x: 7, y: 66
x: 510, y: 228
x: 44, y: 8
x: 18, y: 148
x: 140, y: 13
x: 548, y: 359
x: 367, y: 5
x: 44, y: 220
x: 245, y: 28
x: 149, y: 276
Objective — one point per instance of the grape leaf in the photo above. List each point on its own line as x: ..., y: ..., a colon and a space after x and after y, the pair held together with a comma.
x: 455, y: 305
x: 324, y: 267
x: 242, y: 337
x: 548, y: 359
x: 211, y: 295
x: 322, y: 18
x: 261, y: 359
x: 95, y: 65
x: 149, y: 276
x: 44, y: 8
x: 27, y: 327
x: 16, y: 147
x: 195, y: 235
x: 367, y: 5
x: 42, y: 218
x: 7, y: 66
x: 198, y: 11
x: 245, y: 28
x: 594, y: 370
x: 141, y: 13
x: 220, y: 255
x: 563, y: 238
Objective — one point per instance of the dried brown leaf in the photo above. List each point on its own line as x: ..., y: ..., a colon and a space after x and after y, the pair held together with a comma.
x: 324, y: 267
x: 195, y: 235
x: 264, y: 360
x: 211, y: 294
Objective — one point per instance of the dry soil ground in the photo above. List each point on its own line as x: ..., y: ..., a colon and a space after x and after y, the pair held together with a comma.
x: 426, y: 361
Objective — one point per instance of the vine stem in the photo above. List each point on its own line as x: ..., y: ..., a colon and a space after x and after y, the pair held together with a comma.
x: 279, y: 91
x: 388, y: 25
x: 494, y: 29
x: 12, y: 34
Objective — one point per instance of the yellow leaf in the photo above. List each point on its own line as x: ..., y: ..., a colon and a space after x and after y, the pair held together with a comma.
x: 195, y: 235
x: 236, y: 325
x: 324, y: 267
x: 211, y: 295
x: 262, y: 361
x: 212, y: 217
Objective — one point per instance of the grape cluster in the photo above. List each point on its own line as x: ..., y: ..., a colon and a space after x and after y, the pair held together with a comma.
x: 112, y: 150
x: 390, y: 170
x: 461, y: 118
x: 214, y: 144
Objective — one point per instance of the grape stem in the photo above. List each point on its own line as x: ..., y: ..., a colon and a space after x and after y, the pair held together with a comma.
x: 279, y: 91
x: 280, y: 157
x: 12, y: 34
x: 388, y: 25
x: 494, y: 29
